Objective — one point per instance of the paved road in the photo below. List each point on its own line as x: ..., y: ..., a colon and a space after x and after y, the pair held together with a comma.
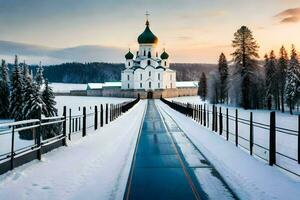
x: 167, y: 165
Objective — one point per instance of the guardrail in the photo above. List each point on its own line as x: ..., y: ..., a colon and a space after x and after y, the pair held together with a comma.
x: 39, y: 136
x: 232, y: 128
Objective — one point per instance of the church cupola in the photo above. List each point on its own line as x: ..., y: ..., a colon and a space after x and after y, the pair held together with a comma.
x: 147, y: 37
x: 164, y: 55
x: 129, y: 55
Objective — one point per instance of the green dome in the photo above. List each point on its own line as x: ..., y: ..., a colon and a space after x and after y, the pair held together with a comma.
x: 147, y: 37
x: 129, y: 55
x: 164, y: 55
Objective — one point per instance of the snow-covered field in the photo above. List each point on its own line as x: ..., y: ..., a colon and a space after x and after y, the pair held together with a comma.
x: 72, y: 102
x: 247, y: 176
x: 285, y: 144
x: 94, y: 167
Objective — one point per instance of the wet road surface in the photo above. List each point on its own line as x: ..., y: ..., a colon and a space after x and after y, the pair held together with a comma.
x: 167, y: 165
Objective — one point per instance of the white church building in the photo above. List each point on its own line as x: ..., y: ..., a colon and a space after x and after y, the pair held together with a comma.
x: 149, y: 69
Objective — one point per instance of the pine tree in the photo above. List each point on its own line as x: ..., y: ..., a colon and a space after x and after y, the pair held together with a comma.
x: 244, y: 56
x: 15, y: 106
x: 48, y: 98
x: 223, y: 71
x: 39, y: 77
x: 202, y: 87
x: 292, y: 80
x: 271, y: 79
x: 32, y: 102
x: 282, y: 70
x: 4, y: 91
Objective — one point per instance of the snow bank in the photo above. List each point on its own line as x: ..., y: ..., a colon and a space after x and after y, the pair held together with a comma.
x: 286, y: 144
x: 247, y: 176
x: 94, y: 167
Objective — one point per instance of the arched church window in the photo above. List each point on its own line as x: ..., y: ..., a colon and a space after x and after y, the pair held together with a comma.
x: 128, y: 63
x: 149, y: 73
x: 141, y: 76
x: 148, y: 62
x: 128, y: 85
x: 141, y: 85
x: 158, y: 85
x: 165, y: 63
x: 149, y: 84
x: 144, y: 52
x: 128, y: 77
x: 171, y: 85
x: 158, y: 76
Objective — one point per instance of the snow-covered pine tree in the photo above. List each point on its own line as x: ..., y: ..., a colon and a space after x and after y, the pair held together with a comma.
x: 4, y: 91
x: 282, y: 70
x: 48, y: 98
x: 223, y: 71
x: 202, y: 87
x: 244, y: 56
x: 15, y: 106
x: 271, y: 79
x: 292, y: 80
x: 39, y: 77
x: 32, y: 101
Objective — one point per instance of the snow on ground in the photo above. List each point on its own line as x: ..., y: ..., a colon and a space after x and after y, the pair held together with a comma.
x: 247, y: 176
x: 285, y: 143
x: 94, y: 167
x: 72, y: 102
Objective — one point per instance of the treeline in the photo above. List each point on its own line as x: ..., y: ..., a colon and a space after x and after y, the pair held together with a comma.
x: 24, y: 96
x: 105, y: 72
x: 250, y: 84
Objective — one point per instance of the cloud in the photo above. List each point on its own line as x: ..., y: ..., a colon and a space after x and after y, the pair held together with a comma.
x: 289, y: 16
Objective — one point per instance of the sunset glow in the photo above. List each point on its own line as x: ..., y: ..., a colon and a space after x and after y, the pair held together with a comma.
x: 192, y: 30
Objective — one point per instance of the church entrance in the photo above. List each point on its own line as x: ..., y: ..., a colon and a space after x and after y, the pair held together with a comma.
x: 149, y: 95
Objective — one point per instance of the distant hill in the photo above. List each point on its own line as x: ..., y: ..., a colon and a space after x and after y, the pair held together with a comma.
x: 84, y: 53
x: 80, y: 64
x: 191, y: 71
x: 104, y: 72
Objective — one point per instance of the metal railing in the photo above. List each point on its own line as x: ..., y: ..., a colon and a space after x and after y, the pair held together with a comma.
x: 39, y: 136
x: 260, y: 140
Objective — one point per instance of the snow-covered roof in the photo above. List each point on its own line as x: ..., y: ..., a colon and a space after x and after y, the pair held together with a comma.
x: 179, y: 84
x: 66, y: 87
x: 95, y: 86
x: 184, y: 84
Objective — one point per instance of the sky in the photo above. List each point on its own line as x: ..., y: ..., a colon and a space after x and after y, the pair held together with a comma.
x: 190, y: 30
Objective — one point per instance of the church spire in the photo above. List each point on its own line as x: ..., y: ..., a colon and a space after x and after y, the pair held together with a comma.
x: 147, y: 20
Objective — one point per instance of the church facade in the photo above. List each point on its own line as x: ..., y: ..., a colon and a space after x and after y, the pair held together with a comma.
x: 148, y: 70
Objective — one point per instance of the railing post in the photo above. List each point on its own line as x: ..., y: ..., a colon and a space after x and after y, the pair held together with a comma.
x: 236, y: 128
x: 298, y: 139
x: 12, y: 153
x: 204, y: 115
x: 101, y: 115
x: 96, y: 118
x: 227, y: 125
x: 216, y: 119
x: 73, y: 124
x: 213, y: 118
x: 207, y: 116
x: 76, y: 124
x: 201, y: 116
x: 272, y: 142
x: 70, y: 123
x: 221, y: 121
x: 251, y: 133
x: 84, y: 122
x: 106, y: 114
x: 38, y: 135
x: 64, y: 141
